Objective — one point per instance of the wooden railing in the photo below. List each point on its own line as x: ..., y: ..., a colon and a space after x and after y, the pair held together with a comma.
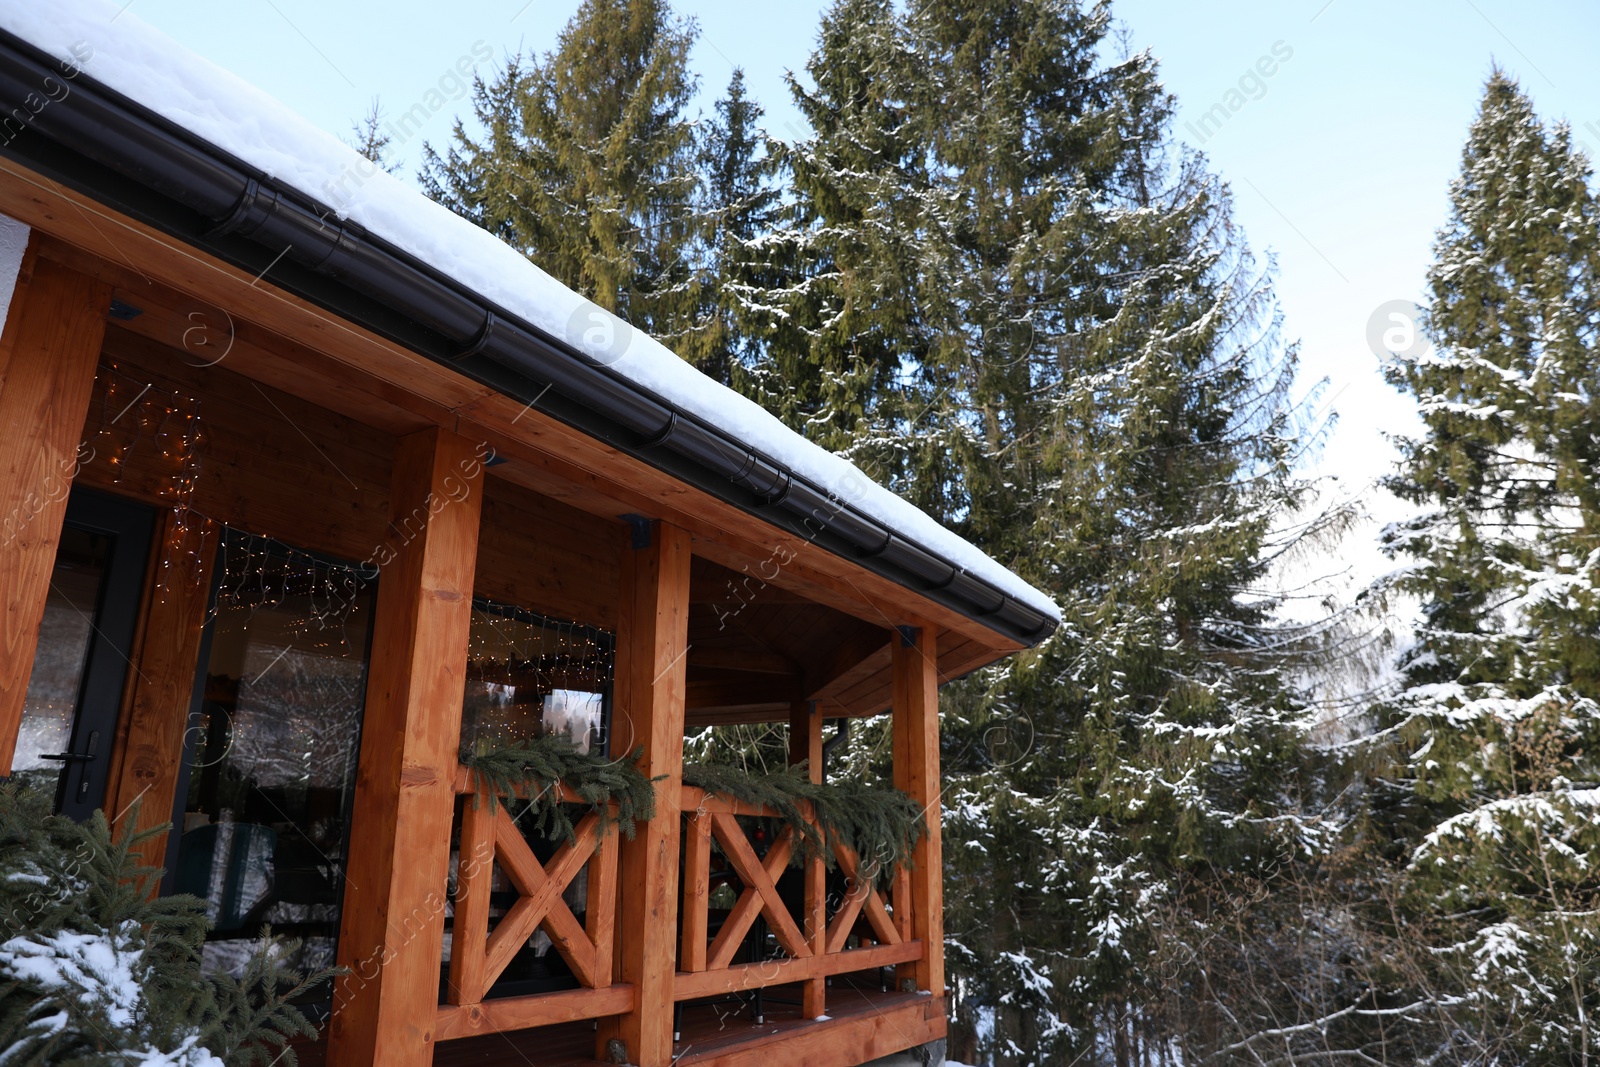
x: 479, y: 956
x: 814, y: 947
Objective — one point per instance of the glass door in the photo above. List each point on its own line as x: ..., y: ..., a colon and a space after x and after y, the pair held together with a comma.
x: 263, y: 808
x: 85, y: 642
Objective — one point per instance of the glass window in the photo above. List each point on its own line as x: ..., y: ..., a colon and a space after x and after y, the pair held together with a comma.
x: 266, y: 820
x: 65, y: 633
x: 529, y: 676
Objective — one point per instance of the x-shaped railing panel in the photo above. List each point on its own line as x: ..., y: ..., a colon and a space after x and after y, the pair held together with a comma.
x: 490, y: 836
x: 760, y: 896
x: 861, y: 895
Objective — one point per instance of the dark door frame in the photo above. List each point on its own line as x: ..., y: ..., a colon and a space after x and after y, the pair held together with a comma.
x: 130, y: 527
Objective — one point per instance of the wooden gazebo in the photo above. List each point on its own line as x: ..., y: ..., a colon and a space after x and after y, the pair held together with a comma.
x: 297, y: 466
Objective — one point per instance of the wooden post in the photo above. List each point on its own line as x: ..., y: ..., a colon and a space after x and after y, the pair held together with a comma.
x: 392, y: 927
x: 48, y: 354
x: 916, y: 771
x: 805, y: 746
x: 696, y: 893
x: 145, y: 762
x: 805, y: 736
x: 474, y: 879
x: 600, y: 906
x: 650, y: 687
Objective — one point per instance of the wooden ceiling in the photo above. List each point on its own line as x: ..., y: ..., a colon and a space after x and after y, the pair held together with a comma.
x: 755, y: 649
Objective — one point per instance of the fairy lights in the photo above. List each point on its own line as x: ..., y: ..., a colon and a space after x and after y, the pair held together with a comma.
x: 136, y: 416
x: 529, y: 675
x: 260, y: 573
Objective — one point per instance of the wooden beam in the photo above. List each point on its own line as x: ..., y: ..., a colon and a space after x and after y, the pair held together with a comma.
x: 651, y: 680
x: 392, y: 926
x: 739, y: 714
x: 858, y: 656
x: 852, y: 1039
x: 600, y: 920
x: 871, y: 691
x: 699, y: 801
x: 267, y: 465
x: 805, y: 736
x: 732, y: 690
x: 805, y: 746
x: 209, y: 335
x: 541, y: 555
x: 144, y: 763
x: 711, y: 585
x: 48, y: 354
x: 540, y: 1009
x: 745, y: 976
x: 745, y: 660
x: 916, y: 771
x: 696, y: 893
x: 469, y: 975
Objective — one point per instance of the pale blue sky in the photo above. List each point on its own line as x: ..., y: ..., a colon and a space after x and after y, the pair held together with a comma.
x: 1339, y: 162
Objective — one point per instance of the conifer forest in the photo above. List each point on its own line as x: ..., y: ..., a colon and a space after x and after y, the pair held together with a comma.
x: 1222, y: 817
x: 1201, y: 824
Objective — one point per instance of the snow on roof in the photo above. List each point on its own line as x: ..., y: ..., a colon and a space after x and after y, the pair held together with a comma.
x: 114, y: 48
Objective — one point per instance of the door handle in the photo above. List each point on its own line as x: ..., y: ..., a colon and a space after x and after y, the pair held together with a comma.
x: 91, y: 750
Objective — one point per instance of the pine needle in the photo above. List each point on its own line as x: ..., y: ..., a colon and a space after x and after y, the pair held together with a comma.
x: 881, y: 824
x: 533, y: 770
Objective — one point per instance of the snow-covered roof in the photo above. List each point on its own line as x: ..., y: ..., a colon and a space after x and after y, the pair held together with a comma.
x: 110, y: 45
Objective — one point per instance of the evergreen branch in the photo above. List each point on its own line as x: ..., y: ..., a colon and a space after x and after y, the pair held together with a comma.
x: 881, y: 824
x: 534, y: 770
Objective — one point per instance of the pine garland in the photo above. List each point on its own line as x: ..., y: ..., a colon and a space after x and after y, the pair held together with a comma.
x: 880, y: 823
x: 532, y: 770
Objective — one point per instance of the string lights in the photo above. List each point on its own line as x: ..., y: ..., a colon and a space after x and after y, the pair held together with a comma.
x: 260, y: 573
x: 529, y: 675
x: 136, y: 414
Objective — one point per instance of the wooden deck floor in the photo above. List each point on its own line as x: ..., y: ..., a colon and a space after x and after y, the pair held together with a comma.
x: 714, y: 1033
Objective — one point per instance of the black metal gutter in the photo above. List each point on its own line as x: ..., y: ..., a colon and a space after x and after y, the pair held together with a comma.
x: 96, y: 141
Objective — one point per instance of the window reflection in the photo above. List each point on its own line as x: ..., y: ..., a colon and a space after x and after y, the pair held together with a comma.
x: 530, y: 676
x: 64, y: 636
x: 266, y: 821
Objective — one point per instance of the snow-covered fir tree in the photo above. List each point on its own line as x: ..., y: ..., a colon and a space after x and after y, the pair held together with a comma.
x: 740, y: 201
x: 585, y: 159
x: 831, y: 310
x: 1495, y: 807
x: 1020, y: 304
x: 991, y: 278
x: 95, y: 972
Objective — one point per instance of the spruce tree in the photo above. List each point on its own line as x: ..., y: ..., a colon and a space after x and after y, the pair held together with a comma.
x: 740, y: 201
x: 97, y: 972
x: 367, y: 137
x: 1495, y: 813
x: 833, y: 323
x: 1015, y: 300
x: 585, y: 160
